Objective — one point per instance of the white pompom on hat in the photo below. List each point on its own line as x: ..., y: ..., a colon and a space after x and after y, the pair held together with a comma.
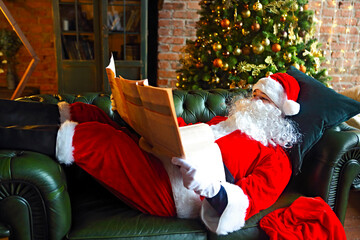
x: 283, y: 90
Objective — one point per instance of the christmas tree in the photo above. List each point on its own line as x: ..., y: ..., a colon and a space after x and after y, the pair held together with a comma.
x: 240, y: 41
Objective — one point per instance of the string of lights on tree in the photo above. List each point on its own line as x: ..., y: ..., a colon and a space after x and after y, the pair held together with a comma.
x: 240, y: 41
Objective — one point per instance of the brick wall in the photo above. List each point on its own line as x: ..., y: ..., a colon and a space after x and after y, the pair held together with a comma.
x: 177, y: 22
x: 338, y: 31
x: 36, y: 21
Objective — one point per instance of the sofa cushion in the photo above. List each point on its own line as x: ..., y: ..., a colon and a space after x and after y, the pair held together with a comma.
x: 321, y: 108
x: 353, y: 93
x: 98, y: 214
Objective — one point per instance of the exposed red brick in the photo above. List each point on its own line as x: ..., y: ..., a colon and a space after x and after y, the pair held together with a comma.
x: 173, y: 6
x: 193, y: 5
x: 168, y: 56
x: 167, y: 73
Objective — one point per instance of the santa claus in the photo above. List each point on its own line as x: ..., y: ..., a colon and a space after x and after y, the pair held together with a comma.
x: 251, y: 140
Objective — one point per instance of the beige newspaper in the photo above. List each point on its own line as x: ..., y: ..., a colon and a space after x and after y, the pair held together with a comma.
x: 151, y: 112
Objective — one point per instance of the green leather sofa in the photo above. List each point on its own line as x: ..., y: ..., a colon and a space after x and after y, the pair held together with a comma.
x: 41, y: 199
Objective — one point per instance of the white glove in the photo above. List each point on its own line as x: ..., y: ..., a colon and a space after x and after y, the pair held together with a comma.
x: 195, y: 178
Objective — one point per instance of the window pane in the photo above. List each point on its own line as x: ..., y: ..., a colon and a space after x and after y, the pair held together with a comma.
x: 115, y: 18
x: 82, y: 49
x: 86, y: 17
x: 132, y: 18
x: 132, y: 47
x: 67, y: 17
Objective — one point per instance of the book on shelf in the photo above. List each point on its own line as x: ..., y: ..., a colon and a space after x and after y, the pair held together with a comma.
x: 150, y: 111
x: 77, y: 50
x: 133, y: 21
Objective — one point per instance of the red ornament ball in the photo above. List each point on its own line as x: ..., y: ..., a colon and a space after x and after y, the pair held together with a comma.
x: 276, y: 47
x: 225, y: 23
x: 255, y: 27
x: 218, y: 63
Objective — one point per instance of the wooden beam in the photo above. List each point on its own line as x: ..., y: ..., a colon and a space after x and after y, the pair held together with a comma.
x: 35, y: 58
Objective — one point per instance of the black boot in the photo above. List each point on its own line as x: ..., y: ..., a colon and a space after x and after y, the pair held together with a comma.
x: 38, y: 138
x: 28, y: 113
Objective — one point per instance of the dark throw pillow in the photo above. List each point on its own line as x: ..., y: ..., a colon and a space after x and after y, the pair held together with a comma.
x: 320, y: 108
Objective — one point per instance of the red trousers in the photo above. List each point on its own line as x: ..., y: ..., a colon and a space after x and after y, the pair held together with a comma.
x: 113, y: 157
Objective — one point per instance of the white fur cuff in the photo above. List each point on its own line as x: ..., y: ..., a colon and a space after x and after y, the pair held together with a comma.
x: 64, y: 143
x: 64, y: 110
x: 233, y: 217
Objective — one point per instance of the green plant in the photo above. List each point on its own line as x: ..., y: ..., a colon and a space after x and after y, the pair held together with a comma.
x: 9, y: 44
x: 2, y: 62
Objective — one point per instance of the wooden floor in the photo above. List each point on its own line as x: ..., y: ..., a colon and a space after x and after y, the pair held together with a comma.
x: 352, y: 218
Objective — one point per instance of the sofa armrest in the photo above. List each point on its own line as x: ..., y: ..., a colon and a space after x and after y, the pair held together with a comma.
x: 34, y: 202
x: 331, y: 166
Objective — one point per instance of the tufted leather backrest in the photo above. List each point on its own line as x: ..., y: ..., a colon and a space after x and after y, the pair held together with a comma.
x: 192, y: 106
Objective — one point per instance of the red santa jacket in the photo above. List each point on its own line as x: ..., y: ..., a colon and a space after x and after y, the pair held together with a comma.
x: 260, y: 175
x: 260, y: 172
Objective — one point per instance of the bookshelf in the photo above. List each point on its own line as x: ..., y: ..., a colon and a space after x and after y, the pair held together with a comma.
x: 88, y: 31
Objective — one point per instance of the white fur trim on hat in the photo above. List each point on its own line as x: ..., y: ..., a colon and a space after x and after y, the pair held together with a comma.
x: 64, y: 143
x: 291, y: 107
x: 233, y: 217
x: 275, y: 91
x: 64, y: 110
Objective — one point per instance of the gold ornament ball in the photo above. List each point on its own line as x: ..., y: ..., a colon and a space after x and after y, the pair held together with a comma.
x: 296, y: 65
x: 237, y: 51
x: 225, y: 23
x: 294, y: 7
x: 246, y: 13
x: 217, y: 47
x: 258, y: 48
x: 177, y: 84
x: 268, y: 74
x: 265, y: 42
x: 276, y: 47
x: 306, y: 7
x: 225, y: 66
x: 257, y: 6
x: 218, y: 63
x: 255, y: 27
x: 245, y: 50
x: 302, y: 68
x: 216, y: 34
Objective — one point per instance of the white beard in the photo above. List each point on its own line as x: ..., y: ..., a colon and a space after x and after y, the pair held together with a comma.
x: 262, y: 122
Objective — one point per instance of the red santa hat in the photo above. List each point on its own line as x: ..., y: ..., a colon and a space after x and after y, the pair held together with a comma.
x: 283, y: 90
